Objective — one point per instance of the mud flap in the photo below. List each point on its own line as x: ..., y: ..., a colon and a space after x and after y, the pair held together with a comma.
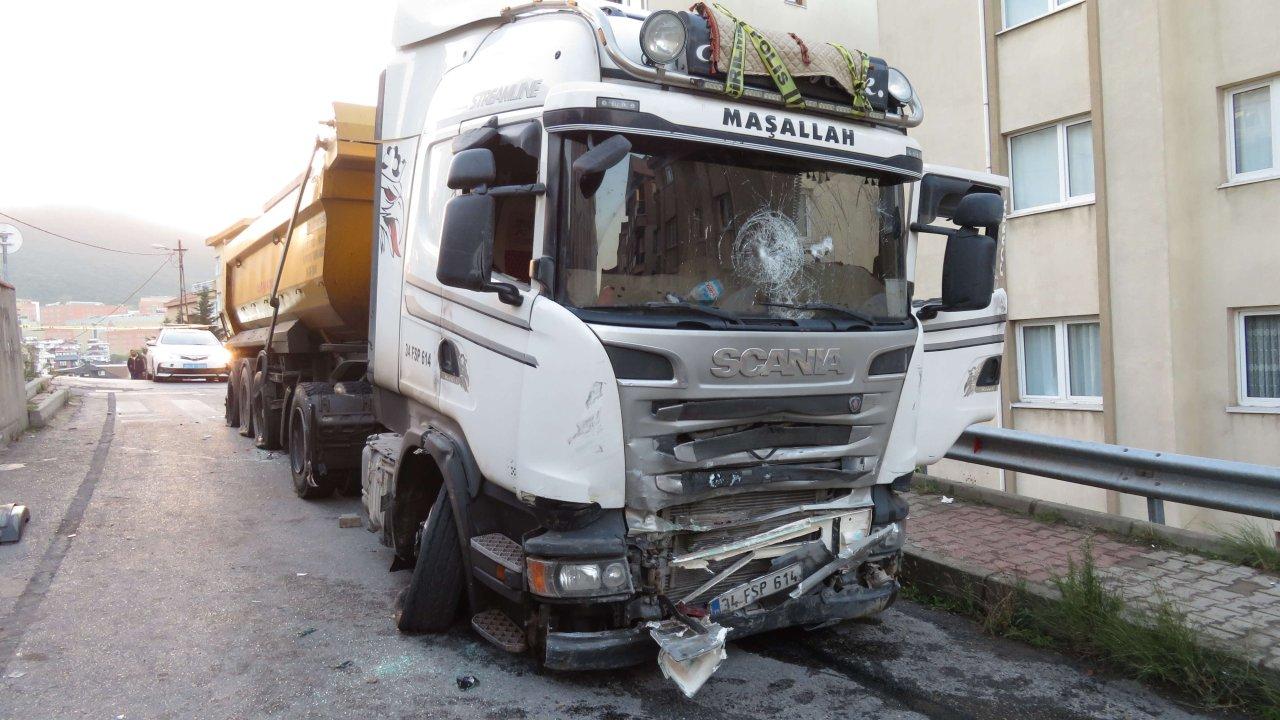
x: 690, y: 652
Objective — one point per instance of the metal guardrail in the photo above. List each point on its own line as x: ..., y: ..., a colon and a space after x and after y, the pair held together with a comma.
x: 1204, y: 482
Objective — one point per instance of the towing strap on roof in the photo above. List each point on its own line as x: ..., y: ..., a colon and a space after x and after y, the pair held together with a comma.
x: 859, y: 71
x: 768, y: 57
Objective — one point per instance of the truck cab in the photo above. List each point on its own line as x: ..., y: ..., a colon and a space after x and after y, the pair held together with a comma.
x: 643, y: 333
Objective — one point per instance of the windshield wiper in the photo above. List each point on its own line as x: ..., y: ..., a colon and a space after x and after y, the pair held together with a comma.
x: 854, y: 314
x: 666, y: 306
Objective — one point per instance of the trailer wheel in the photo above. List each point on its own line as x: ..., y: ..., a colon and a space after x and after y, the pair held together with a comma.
x: 430, y: 603
x: 266, y: 422
x: 244, y: 398
x: 232, y: 412
x: 308, y: 482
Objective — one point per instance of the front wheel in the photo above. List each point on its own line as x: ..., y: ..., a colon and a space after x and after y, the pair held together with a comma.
x: 430, y: 603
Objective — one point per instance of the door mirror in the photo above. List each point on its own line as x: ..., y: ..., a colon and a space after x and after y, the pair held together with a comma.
x: 151, y: 342
x: 466, y: 246
x: 471, y: 169
x: 968, y: 270
x: 589, y: 169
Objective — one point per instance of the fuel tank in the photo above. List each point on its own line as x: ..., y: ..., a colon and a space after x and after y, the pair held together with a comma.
x: 325, y: 284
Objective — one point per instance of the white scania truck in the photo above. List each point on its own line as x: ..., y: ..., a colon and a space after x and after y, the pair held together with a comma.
x: 644, y: 366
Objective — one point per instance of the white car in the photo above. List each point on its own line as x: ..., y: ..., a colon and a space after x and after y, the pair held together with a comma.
x: 187, y: 353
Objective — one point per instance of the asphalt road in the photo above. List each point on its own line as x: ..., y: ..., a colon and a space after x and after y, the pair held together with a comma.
x: 170, y: 572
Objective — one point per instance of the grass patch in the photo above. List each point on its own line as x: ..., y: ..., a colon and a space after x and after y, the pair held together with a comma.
x: 1048, y: 516
x: 1250, y: 545
x: 925, y: 486
x: 1154, y: 644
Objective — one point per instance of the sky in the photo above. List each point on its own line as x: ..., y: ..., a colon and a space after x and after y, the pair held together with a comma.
x: 187, y: 114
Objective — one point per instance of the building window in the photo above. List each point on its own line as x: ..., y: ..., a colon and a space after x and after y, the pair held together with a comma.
x: 1017, y: 12
x: 1052, y: 166
x: 1060, y: 361
x: 1258, y: 357
x: 1253, y: 130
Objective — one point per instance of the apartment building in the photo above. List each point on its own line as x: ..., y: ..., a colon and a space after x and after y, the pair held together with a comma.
x: 1141, y: 257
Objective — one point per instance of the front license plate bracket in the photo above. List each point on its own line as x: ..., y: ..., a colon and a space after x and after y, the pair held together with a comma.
x: 752, y: 591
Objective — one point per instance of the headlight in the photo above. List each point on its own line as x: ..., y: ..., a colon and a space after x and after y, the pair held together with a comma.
x: 899, y: 87
x: 550, y: 578
x: 221, y: 356
x: 663, y: 37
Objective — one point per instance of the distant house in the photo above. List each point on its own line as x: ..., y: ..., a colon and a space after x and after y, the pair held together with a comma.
x: 181, y: 309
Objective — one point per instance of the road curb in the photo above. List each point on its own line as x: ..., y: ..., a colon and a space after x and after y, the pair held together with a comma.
x: 1124, y: 526
x: 41, y: 414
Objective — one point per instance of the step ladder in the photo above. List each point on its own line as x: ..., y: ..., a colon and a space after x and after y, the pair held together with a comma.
x: 494, y: 626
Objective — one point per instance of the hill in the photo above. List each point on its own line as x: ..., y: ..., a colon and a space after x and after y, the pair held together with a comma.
x: 50, y: 269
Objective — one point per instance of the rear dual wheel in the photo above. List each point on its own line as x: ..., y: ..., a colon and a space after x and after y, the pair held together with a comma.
x: 244, y: 397
x: 309, y: 481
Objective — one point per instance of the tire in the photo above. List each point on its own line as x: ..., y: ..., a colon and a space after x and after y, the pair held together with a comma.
x: 232, y: 413
x: 308, y: 482
x: 430, y: 603
x: 266, y: 423
x: 244, y: 399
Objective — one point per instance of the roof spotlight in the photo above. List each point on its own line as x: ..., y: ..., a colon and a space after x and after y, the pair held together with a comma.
x: 899, y: 87
x: 663, y: 36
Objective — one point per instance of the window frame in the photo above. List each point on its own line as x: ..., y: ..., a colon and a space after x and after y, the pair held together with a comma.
x: 1065, y: 199
x: 1229, y: 119
x: 1062, y: 363
x: 1242, y: 384
x: 1052, y: 6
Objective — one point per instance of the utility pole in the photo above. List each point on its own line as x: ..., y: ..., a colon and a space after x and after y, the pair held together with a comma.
x: 182, y: 286
x: 182, y: 279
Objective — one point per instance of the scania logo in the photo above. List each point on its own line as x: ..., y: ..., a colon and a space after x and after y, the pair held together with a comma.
x: 758, y: 362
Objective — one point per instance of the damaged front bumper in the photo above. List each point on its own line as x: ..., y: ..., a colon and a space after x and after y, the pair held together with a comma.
x: 611, y: 649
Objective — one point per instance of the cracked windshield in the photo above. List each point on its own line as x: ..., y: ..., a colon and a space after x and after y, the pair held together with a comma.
x: 768, y: 239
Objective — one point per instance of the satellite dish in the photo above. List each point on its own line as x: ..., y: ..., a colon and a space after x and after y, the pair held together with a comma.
x: 10, y: 239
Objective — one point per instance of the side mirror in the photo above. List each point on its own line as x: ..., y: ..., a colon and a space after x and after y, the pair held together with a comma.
x: 968, y: 270
x: 471, y: 169
x: 151, y: 342
x: 466, y: 246
x: 979, y: 210
x: 589, y: 169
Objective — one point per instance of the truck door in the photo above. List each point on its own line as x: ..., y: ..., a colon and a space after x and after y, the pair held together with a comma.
x: 962, y: 349
x: 475, y: 344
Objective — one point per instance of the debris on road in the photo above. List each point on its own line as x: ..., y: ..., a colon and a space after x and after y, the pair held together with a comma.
x: 349, y: 520
x: 301, y: 574
x: 466, y: 682
x: 13, y: 519
x: 12, y: 466
x: 947, y: 500
x: 345, y: 665
x: 305, y: 632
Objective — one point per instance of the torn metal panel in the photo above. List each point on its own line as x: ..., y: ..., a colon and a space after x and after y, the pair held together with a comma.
x: 787, y: 531
x: 689, y: 657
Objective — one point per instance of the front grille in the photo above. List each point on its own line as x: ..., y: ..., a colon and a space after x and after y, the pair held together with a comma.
x: 740, y: 507
x: 731, y: 519
x: 683, y: 582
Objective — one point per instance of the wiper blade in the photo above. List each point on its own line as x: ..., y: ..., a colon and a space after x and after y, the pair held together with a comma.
x: 677, y: 306
x: 854, y: 314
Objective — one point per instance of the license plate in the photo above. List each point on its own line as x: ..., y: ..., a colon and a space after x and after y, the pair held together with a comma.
x: 754, y: 590
x: 191, y: 366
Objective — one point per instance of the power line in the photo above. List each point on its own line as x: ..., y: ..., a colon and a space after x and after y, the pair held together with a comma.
x: 122, y: 302
x: 78, y: 242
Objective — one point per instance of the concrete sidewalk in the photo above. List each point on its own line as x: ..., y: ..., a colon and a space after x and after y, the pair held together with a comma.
x: 1235, y: 607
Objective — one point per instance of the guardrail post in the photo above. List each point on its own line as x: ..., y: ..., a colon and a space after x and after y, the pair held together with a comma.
x: 1155, y: 510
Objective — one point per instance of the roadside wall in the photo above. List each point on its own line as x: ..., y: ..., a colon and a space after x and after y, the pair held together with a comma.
x: 13, y: 391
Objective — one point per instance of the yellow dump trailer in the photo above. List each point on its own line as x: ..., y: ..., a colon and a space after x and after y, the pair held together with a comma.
x: 325, y: 282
